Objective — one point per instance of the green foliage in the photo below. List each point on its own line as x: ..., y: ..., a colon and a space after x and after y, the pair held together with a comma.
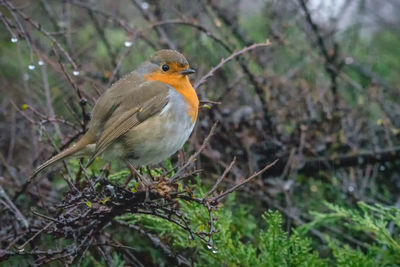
x: 346, y: 256
x: 240, y: 241
x: 374, y: 226
x: 90, y: 260
x: 244, y: 240
x: 277, y: 249
x: 119, y: 177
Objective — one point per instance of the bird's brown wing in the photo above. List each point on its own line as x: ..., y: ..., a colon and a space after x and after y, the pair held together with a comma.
x: 112, y: 99
x: 130, y: 113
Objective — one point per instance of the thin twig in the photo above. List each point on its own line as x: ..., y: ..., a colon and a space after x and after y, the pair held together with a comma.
x: 226, y: 60
x: 233, y: 188
x: 35, y: 235
x: 227, y: 170
x: 194, y: 156
x: 42, y: 30
x: 13, y: 208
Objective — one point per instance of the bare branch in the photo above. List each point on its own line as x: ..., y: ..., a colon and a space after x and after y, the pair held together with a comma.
x: 226, y: 60
x: 233, y: 188
x: 194, y: 156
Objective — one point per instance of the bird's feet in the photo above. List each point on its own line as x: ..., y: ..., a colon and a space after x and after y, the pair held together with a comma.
x: 144, y: 182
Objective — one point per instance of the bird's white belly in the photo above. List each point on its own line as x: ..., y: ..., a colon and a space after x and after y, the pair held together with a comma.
x: 158, y: 137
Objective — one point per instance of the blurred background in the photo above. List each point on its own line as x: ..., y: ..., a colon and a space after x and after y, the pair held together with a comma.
x: 323, y: 98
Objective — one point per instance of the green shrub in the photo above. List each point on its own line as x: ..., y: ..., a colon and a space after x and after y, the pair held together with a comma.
x: 375, y: 227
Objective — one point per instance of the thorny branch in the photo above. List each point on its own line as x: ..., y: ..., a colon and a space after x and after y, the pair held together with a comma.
x: 40, y: 29
x: 85, y: 213
x: 333, y: 63
x: 195, y: 155
x: 226, y: 60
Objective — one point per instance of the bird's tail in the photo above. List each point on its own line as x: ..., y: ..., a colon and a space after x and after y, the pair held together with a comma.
x: 62, y: 155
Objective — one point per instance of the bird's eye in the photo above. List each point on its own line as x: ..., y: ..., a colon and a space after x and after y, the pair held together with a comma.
x: 165, y: 67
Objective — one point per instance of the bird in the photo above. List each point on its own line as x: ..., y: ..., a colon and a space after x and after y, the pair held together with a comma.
x: 143, y: 118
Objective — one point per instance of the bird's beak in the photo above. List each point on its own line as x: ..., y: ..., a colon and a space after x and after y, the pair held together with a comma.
x: 187, y: 71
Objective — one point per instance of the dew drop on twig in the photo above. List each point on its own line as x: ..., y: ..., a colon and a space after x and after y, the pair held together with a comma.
x: 128, y: 43
x: 75, y: 72
x: 40, y: 63
x: 350, y: 189
x: 31, y: 67
x: 14, y: 39
x: 145, y: 5
x: 348, y: 60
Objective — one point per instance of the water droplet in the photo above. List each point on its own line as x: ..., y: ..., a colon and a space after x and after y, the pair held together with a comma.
x: 31, y: 67
x: 14, y: 39
x: 40, y: 63
x: 348, y: 60
x: 314, y: 188
x: 75, y: 72
x: 21, y: 250
x: 145, y: 5
x: 215, y: 251
x: 128, y: 43
x: 110, y: 187
x: 351, y: 189
x: 209, y: 246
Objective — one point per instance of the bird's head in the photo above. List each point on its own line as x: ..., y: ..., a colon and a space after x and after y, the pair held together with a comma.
x: 168, y: 66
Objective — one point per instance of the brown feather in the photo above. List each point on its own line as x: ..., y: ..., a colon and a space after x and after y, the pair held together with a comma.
x: 118, y: 126
x: 82, y: 143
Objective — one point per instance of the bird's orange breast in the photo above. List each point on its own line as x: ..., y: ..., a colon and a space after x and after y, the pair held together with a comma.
x: 183, y: 86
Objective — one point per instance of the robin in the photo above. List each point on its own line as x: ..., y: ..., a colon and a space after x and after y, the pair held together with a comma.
x: 143, y: 118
